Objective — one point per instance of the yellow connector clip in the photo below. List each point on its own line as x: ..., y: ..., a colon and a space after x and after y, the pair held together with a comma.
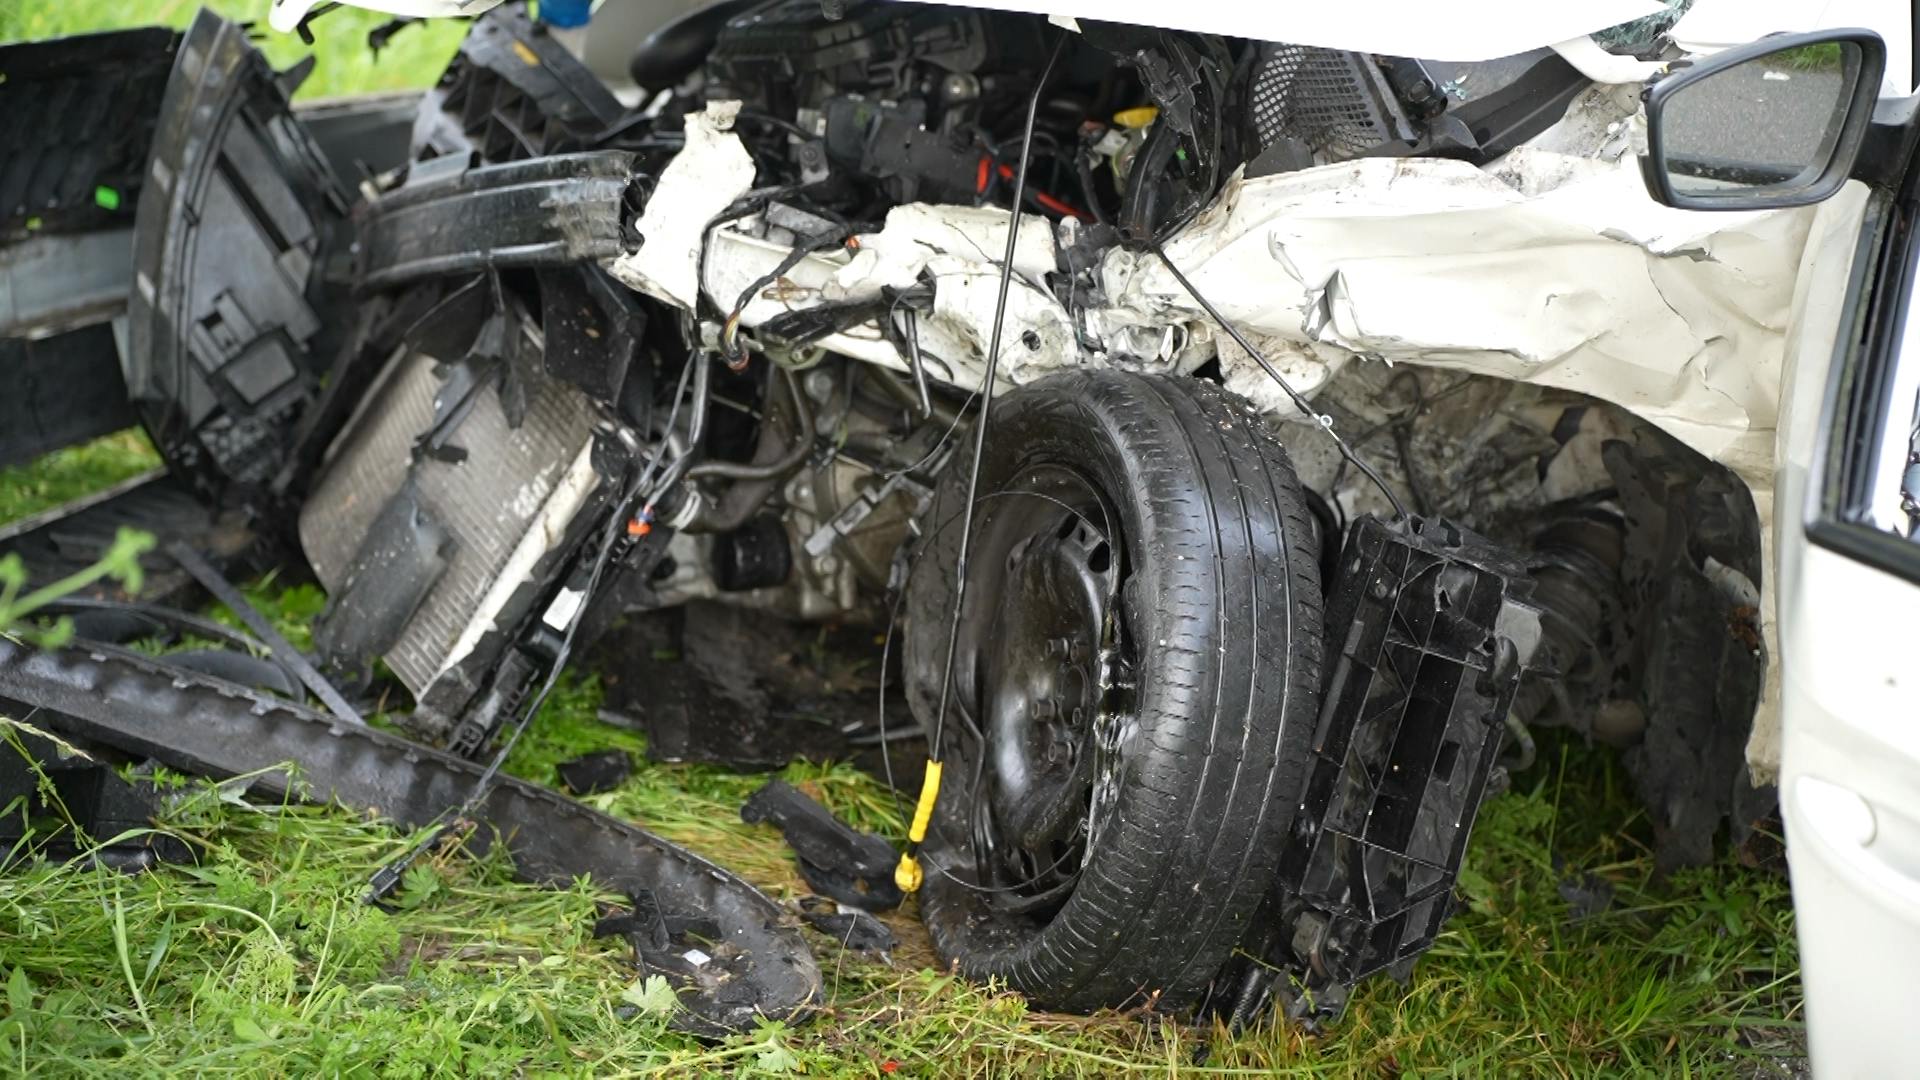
x: 907, y: 875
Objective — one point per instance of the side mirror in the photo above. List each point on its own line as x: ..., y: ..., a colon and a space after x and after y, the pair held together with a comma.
x: 1774, y: 123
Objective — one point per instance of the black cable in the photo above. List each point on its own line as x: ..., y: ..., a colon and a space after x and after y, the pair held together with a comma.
x: 304, y: 27
x: 908, y: 874
x: 1324, y: 421
x: 885, y: 739
x: 730, y: 330
x: 986, y: 402
x: 1089, y: 191
x: 771, y: 120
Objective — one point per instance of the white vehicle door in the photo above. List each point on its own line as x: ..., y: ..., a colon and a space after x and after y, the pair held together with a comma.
x: 1850, y: 633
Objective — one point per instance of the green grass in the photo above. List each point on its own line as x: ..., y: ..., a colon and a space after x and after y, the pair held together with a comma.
x: 259, y: 961
x: 67, y: 474
x: 413, y: 59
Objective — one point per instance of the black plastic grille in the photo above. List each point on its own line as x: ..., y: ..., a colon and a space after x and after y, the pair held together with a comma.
x: 1323, y: 97
x: 76, y: 121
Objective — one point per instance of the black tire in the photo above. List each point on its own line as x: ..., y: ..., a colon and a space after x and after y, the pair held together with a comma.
x: 1219, y: 612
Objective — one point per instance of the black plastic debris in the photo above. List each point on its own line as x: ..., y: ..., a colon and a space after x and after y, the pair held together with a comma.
x: 1587, y: 894
x: 852, y: 928
x: 76, y: 159
x: 83, y: 803
x: 203, y: 572
x: 591, y: 774
x: 402, y: 557
x: 513, y: 92
x: 232, y: 320
x: 1428, y: 642
x: 837, y: 861
x: 758, y: 966
x: 653, y: 932
x: 785, y: 690
x: 690, y: 951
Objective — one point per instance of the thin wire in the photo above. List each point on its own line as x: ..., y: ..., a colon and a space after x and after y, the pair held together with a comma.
x: 886, y: 651
x: 986, y: 398
x: 1325, y: 422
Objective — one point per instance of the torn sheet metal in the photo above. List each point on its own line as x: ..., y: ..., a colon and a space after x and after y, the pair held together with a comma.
x: 956, y: 248
x: 1551, y: 266
x: 704, y: 178
x: 1551, y: 269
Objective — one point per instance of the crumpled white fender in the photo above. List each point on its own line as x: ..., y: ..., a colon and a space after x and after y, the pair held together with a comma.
x: 1588, y: 285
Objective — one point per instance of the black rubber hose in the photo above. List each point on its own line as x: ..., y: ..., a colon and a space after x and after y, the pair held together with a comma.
x: 780, y: 467
x: 735, y: 508
x: 1089, y: 191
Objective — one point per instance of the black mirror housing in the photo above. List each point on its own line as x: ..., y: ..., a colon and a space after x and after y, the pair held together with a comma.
x: 1678, y: 174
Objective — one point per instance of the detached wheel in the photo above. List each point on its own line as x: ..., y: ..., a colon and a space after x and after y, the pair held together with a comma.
x: 1134, y: 691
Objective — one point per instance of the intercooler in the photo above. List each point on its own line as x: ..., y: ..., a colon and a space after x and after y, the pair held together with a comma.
x: 496, y: 500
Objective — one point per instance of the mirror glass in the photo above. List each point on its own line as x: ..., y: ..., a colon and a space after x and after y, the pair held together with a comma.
x: 1767, y: 126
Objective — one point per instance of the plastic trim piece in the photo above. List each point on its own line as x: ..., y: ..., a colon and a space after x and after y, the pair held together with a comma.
x: 1427, y: 639
x: 238, y: 218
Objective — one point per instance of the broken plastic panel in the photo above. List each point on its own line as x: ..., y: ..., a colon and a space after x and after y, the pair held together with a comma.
x: 450, y: 218
x: 837, y: 861
x: 237, y: 220
x: 61, y: 805
x: 753, y: 966
x: 512, y: 92
x: 1428, y: 638
x: 73, y: 137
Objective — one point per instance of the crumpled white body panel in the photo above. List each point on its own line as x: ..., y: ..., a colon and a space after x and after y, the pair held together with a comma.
x: 958, y: 247
x: 1551, y: 267
x: 1587, y: 285
x: 702, y: 180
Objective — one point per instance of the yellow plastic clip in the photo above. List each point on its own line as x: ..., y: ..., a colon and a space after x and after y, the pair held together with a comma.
x: 1137, y: 117
x: 907, y: 875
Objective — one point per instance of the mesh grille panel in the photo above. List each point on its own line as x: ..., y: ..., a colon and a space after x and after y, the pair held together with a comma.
x: 1319, y: 96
